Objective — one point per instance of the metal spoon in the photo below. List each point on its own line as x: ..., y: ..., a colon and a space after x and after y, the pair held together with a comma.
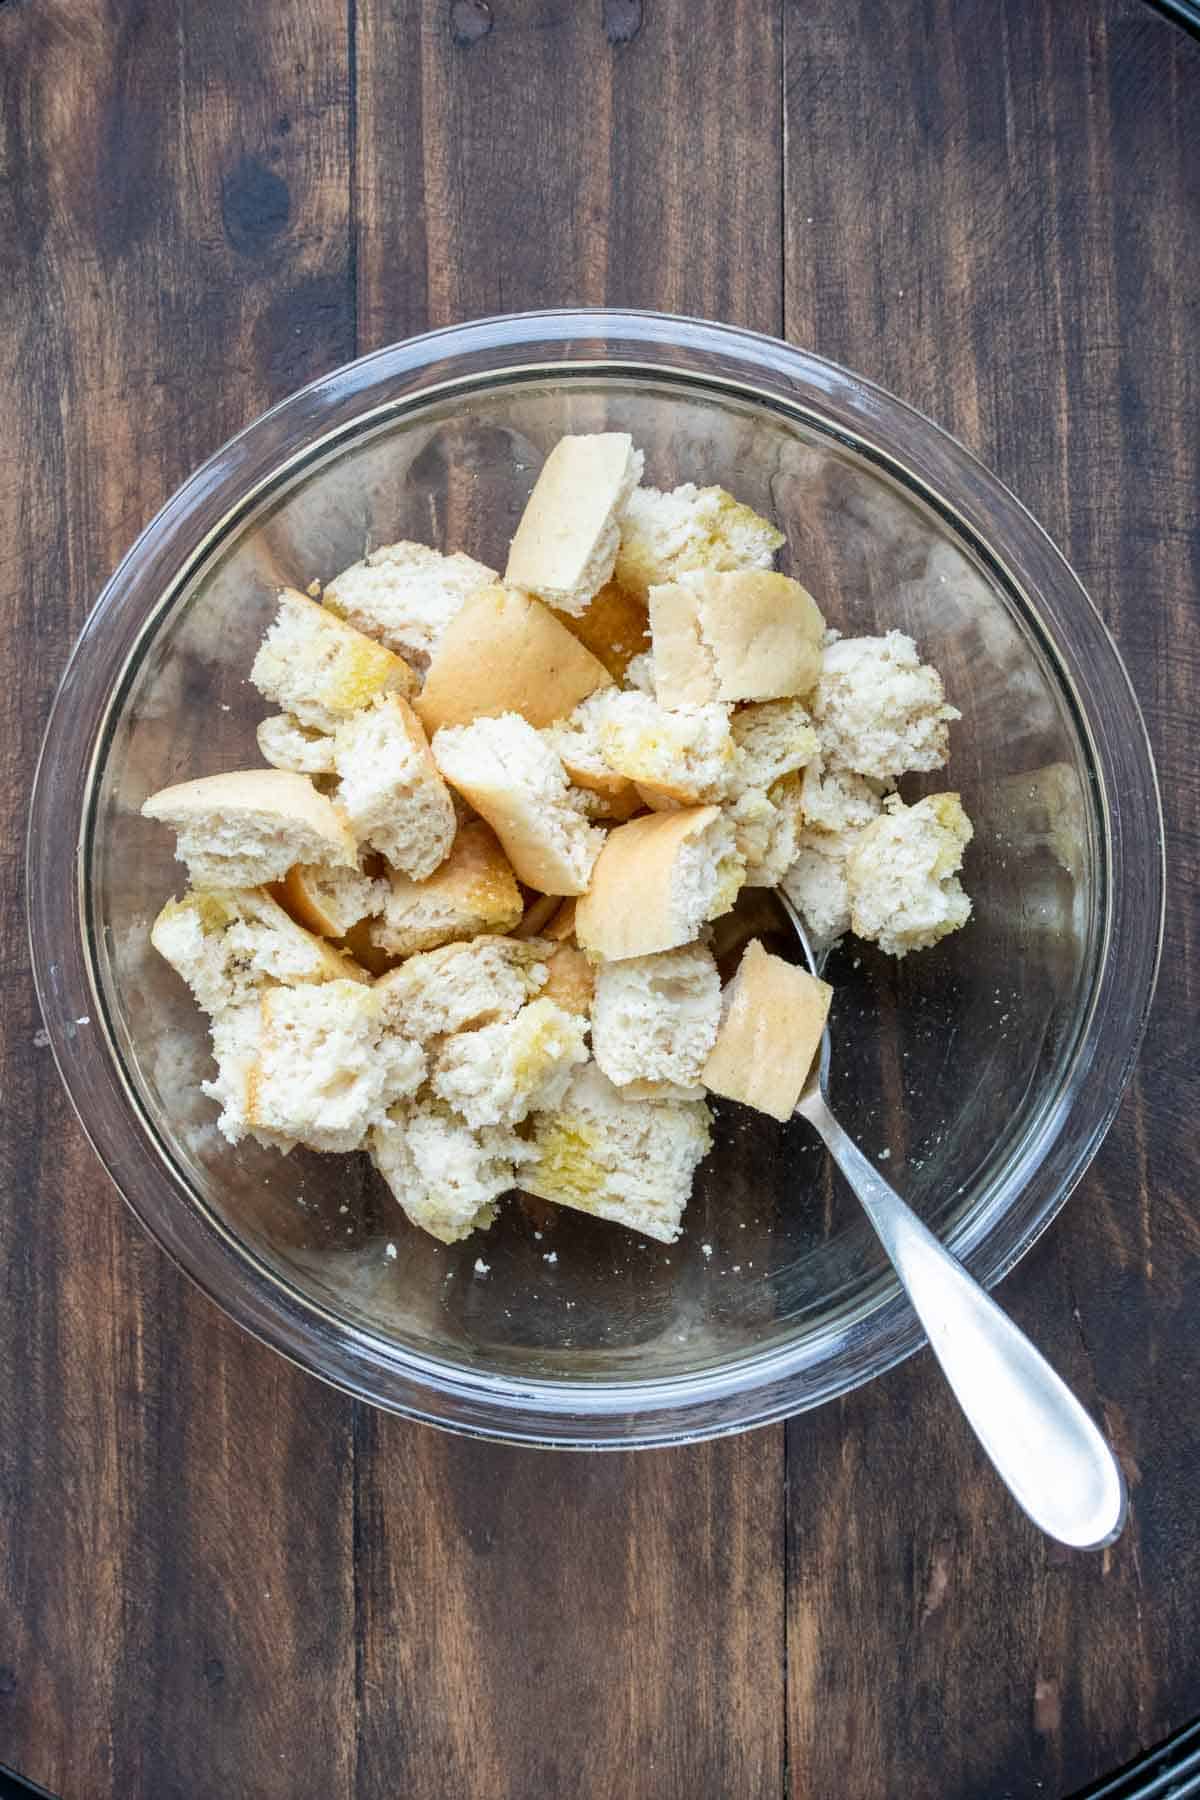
x: 1043, y: 1445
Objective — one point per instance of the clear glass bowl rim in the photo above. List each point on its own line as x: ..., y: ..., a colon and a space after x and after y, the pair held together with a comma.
x: 757, y: 1388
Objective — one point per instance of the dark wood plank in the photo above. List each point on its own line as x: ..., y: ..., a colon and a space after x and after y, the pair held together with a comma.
x: 176, y: 1599
x: 535, y: 1625
x: 1009, y: 238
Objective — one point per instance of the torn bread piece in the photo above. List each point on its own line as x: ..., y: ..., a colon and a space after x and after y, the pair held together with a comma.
x: 640, y: 674
x: 657, y: 881
x: 774, y: 738
x: 506, y: 653
x: 665, y: 534
x: 499, y: 1074
x: 319, y: 669
x: 287, y: 744
x: 515, y: 779
x: 328, y: 1066
x: 227, y: 944
x: 405, y: 595
x: 902, y: 874
x: 681, y: 758
x: 836, y: 800
x: 623, y: 1160
x: 576, y: 738
x: 461, y: 987
x: 615, y: 627
x: 390, y: 787
x: 767, y: 827
x: 247, y: 828
x: 772, y: 1020
x: 746, y: 635
x: 566, y: 543
x: 235, y: 1041
x: 655, y: 1018
x: 445, y: 1177
x: 473, y: 892
x: 879, y: 710
x: 331, y: 901
x: 815, y: 883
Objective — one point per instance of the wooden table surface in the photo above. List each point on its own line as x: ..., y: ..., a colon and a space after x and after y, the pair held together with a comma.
x: 219, y: 1578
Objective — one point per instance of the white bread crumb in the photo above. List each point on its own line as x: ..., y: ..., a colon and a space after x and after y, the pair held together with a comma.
x: 623, y: 1160
x: 655, y: 1018
x: 902, y: 874
x: 405, y: 595
x: 390, y: 788
x: 879, y: 710
x: 664, y: 534
x: 500, y: 1073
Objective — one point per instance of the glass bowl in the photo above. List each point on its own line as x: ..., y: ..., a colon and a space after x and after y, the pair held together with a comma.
x: 986, y: 1071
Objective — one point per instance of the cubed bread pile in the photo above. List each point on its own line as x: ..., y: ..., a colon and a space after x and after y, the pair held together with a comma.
x: 461, y: 921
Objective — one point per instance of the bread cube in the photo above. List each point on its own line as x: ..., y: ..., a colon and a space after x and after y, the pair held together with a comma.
x: 319, y: 669
x: 773, y: 738
x: 566, y: 542
x: 665, y: 534
x: 390, y: 788
x: 328, y: 1066
x: 515, y: 779
x: 227, y: 944
x: 879, y: 710
x: 746, y: 635
x: 498, y: 1074
x: 772, y: 1019
x: 628, y: 1161
x: 902, y: 874
x: 247, y: 828
x: 473, y: 892
x: 331, y: 901
x: 446, y: 1177
x: 405, y: 595
x: 675, y: 758
x: 506, y: 653
x: 657, y: 881
x: 461, y: 987
x: 815, y: 883
x: 655, y: 1018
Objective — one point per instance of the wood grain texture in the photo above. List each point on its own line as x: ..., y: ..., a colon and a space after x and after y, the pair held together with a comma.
x: 216, y: 1577
x: 533, y: 1625
x: 176, y: 1589
x: 1011, y: 241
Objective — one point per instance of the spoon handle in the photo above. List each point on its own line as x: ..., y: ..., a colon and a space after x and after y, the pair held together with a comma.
x: 1044, y: 1446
